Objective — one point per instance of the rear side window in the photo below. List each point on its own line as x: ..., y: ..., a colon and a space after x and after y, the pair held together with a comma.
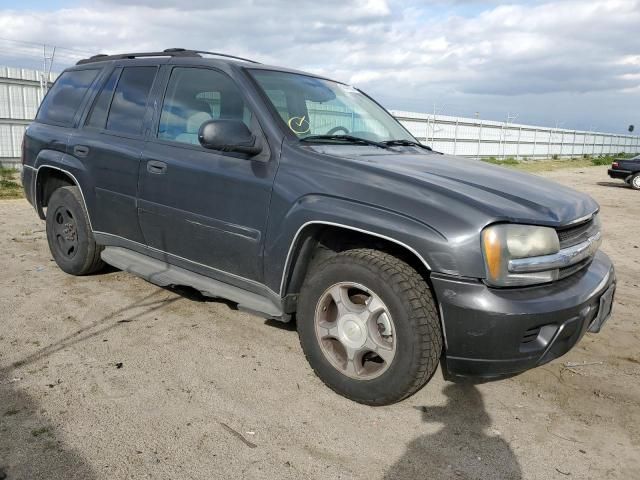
x: 98, y: 116
x: 60, y: 105
x: 130, y: 100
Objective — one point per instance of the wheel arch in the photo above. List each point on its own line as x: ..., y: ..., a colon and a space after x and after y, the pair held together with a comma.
x: 55, y: 170
x: 317, y: 240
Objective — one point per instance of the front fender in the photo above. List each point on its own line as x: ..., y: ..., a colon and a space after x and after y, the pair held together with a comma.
x: 429, y: 245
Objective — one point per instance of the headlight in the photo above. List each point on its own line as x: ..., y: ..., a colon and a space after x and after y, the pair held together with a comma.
x: 504, y: 242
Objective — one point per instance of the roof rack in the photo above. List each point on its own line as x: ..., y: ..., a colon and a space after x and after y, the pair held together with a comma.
x: 169, y: 52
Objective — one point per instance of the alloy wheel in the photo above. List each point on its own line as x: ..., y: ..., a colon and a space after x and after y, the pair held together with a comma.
x: 355, y: 330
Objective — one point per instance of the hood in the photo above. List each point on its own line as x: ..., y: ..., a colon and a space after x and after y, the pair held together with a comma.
x: 503, y: 194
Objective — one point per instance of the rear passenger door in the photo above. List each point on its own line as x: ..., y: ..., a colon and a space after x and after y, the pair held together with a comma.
x: 110, y: 144
x: 206, y: 208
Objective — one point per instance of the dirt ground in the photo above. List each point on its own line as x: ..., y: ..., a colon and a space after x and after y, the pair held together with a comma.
x: 110, y: 377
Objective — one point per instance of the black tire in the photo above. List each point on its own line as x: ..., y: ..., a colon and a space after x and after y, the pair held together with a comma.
x: 415, y: 319
x: 635, y: 181
x: 70, y: 238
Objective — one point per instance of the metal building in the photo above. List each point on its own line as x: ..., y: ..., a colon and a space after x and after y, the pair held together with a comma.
x: 21, y: 91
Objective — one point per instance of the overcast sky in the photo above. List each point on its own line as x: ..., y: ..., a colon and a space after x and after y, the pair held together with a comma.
x: 574, y: 62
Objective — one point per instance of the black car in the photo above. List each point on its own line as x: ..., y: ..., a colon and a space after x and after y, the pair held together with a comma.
x: 296, y: 196
x: 627, y: 170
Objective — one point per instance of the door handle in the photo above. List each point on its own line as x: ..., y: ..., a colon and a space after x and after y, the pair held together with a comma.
x: 156, y: 167
x: 81, y: 150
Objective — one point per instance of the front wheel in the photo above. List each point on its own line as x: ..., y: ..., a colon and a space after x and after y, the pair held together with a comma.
x: 369, y: 327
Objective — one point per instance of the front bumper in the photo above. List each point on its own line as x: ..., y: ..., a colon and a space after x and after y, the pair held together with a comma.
x: 493, y: 332
x: 621, y: 174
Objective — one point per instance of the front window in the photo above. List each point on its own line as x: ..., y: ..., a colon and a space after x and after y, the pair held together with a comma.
x: 195, y: 96
x: 311, y: 106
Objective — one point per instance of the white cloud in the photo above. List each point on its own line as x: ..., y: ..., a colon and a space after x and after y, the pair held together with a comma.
x: 403, y: 51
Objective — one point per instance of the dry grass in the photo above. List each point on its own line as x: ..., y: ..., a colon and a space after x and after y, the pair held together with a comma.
x: 553, y: 164
x: 9, y: 185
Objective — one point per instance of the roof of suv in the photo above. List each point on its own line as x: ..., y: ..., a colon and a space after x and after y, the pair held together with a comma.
x: 169, y: 52
x: 198, y: 56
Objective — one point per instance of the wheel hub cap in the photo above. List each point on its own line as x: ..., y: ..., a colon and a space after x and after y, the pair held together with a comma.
x: 69, y: 232
x: 65, y: 232
x: 352, y: 331
x: 355, y: 331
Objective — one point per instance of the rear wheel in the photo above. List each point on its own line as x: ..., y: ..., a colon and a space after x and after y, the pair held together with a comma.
x: 369, y: 327
x: 635, y: 181
x: 70, y: 238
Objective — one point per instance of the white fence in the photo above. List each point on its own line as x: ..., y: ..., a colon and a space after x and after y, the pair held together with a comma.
x: 21, y: 91
x: 473, y: 137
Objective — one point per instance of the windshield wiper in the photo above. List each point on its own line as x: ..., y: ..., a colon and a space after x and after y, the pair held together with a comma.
x: 345, y: 138
x: 406, y: 143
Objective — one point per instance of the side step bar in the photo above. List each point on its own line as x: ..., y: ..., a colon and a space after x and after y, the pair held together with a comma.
x: 164, y: 274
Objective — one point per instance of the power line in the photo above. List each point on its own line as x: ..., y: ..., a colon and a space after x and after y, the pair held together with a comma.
x: 39, y: 56
x: 40, y: 44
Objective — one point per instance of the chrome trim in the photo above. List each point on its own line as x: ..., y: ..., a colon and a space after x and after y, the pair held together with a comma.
x: 35, y: 183
x: 348, y: 227
x: 286, y: 264
x: 564, y: 258
x: 444, y: 331
x: 579, y: 220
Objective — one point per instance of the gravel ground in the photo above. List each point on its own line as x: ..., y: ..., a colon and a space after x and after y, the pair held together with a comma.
x: 108, y: 376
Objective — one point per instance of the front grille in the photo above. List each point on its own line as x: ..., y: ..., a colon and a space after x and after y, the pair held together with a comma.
x: 566, y: 271
x: 574, y: 234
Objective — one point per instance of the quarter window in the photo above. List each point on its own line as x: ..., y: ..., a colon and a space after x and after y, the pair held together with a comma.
x: 130, y: 100
x: 195, y: 96
x: 98, y: 116
x: 63, y: 100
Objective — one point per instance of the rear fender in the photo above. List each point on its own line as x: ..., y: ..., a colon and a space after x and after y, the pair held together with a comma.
x: 69, y: 166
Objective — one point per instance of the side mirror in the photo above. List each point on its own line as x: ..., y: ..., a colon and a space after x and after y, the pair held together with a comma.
x: 228, y: 136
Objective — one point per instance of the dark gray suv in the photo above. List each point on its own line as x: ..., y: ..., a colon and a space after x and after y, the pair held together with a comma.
x: 297, y: 196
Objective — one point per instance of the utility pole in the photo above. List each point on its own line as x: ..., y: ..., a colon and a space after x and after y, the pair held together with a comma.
x: 504, y: 133
x: 561, y: 143
x: 479, y: 139
x: 455, y: 137
x: 426, y: 132
x: 611, y: 144
x: 558, y: 123
x: 47, y: 64
x: 433, y: 127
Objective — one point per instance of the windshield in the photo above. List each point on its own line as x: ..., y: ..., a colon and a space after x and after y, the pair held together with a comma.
x: 311, y: 106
